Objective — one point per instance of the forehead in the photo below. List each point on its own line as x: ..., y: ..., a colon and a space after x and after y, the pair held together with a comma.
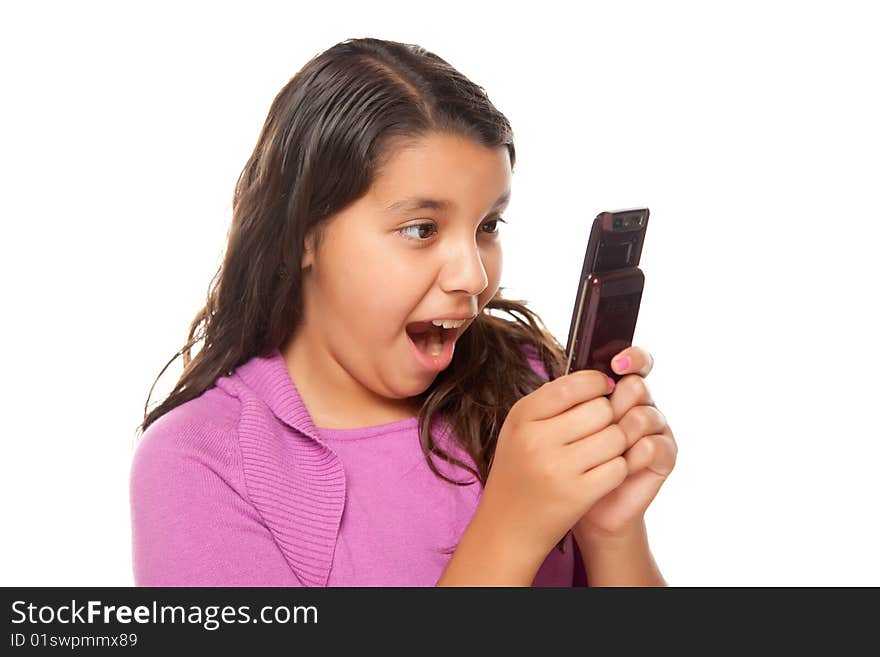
x: 441, y: 172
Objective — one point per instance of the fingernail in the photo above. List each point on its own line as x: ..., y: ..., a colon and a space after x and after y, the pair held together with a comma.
x: 611, y: 381
x: 621, y: 363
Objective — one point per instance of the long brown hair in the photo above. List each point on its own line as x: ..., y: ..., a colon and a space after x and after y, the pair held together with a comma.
x: 328, y: 132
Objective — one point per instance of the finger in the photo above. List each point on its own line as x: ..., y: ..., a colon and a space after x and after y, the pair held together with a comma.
x: 641, y: 421
x: 588, y: 452
x: 631, y: 390
x: 560, y: 394
x: 667, y: 453
x: 601, y: 480
x: 633, y: 360
x: 656, y: 453
x: 637, y: 492
x: 580, y: 421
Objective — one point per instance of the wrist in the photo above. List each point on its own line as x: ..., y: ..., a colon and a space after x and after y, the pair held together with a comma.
x: 618, y: 558
x: 632, y: 533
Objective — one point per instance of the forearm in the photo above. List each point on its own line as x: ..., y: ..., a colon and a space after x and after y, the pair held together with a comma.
x: 485, y: 557
x: 619, y: 561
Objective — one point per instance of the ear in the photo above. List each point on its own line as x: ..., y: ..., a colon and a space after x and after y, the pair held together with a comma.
x: 308, y: 250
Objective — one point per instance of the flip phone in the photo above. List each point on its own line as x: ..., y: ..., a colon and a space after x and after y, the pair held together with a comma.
x: 609, y: 291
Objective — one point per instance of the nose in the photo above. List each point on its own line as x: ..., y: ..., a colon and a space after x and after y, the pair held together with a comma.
x: 464, y: 271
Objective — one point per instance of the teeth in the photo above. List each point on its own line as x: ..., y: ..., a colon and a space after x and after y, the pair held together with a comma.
x: 448, y: 323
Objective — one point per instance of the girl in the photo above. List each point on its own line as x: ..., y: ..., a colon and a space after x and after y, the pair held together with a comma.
x: 350, y: 373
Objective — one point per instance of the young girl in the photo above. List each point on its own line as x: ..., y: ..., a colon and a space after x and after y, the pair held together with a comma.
x: 355, y: 416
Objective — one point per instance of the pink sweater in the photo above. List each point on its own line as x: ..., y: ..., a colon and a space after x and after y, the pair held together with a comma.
x: 237, y: 487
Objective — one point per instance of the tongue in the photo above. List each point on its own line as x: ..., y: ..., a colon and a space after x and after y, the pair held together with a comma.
x: 420, y: 338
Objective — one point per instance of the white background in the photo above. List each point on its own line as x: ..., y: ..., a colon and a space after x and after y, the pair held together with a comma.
x: 750, y: 130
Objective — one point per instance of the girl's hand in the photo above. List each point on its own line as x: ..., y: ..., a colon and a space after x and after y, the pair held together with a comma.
x: 558, y: 452
x: 650, y: 456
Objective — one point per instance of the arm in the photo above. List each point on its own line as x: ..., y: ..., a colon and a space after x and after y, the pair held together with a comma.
x: 623, y: 560
x: 484, y: 558
x: 192, y: 523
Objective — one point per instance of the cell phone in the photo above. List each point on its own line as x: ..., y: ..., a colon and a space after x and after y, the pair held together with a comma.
x: 609, y: 291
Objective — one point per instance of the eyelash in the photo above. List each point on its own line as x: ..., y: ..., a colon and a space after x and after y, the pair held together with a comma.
x: 415, y: 239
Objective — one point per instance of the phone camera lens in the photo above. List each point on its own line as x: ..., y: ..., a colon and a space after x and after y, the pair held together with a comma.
x: 617, y: 222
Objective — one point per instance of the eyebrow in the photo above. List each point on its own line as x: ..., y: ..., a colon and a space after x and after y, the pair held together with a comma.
x: 411, y: 204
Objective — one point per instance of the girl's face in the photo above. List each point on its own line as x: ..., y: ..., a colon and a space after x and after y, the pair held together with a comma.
x: 388, y: 260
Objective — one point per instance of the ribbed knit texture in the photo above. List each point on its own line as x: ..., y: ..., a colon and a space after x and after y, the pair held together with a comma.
x: 238, y: 487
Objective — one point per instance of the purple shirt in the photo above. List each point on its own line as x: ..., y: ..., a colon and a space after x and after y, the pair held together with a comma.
x: 237, y: 487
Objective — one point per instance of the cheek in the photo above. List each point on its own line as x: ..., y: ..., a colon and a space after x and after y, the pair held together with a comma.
x: 384, y: 291
x: 353, y: 290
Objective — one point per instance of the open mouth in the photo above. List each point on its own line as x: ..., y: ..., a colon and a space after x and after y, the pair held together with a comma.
x: 430, y: 339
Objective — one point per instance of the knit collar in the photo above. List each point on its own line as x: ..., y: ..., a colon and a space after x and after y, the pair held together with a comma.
x: 288, y: 477
x: 269, y: 378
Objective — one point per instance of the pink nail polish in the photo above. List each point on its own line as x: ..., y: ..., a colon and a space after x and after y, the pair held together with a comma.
x: 611, y: 381
x: 622, y: 363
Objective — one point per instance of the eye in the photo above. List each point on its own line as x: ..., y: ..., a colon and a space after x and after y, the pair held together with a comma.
x: 402, y: 231
x: 494, y: 221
